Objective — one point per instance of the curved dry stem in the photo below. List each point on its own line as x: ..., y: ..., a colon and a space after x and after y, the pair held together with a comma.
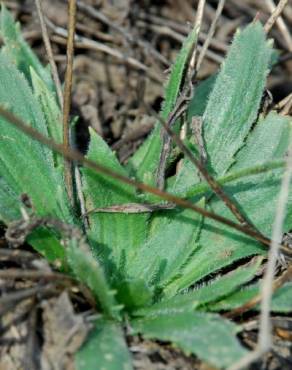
x: 275, y: 15
x: 68, y: 92
x: 73, y: 155
x: 49, y: 52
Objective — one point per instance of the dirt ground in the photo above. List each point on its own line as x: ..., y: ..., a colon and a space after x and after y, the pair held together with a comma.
x: 123, y: 52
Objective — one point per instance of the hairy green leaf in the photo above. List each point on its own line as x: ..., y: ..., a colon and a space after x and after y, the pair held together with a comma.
x: 48, y: 243
x: 220, y: 245
x: 187, y: 175
x: 88, y: 270
x: 203, y: 294
x: 145, y: 161
x: 9, y: 202
x: 200, y: 98
x: 209, y: 336
x: 168, y: 247
x: 50, y: 108
x: 118, y: 235
x: 281, y: 301
x: 19, y: 51
x: 105, y: 349
x: 25, y: 165
x: 35, y: 176
x: 233, y: 105
x: 221, y: 286
x: 268, y: 141
x: 133, y: 293
x: 235, y: 99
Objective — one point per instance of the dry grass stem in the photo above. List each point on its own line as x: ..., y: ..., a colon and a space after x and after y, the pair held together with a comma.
x: 179, y: 108
x: 275, y: 15
x: 198, y: 24
x: 13, y: 273
x: 265, y: 328
x: 132, y: 208
x: 68, y: 93
x: 288, y: 106
x: 49, y: 51
x: 76, y: 156
x: 265, y: 335
x: 99, y: 16
x: 82, y: 42
x: 281, y: 104
x: 80, y: 195
x: 281, y: 25
x: 27, y: 293
x: 210, y: 34
x: 212, y: 182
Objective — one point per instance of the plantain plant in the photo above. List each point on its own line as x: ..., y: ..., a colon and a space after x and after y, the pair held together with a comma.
x: 165, y: 274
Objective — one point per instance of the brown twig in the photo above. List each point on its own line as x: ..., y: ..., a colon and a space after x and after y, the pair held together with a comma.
x: 166, y: 141
x: 180, y: 107
x: 17, y: 254
x: 214, y: 185
x: 68, y: 93
x: 17, y: 231
x: 170, y: 135
x: 86, y: 43
x: 167, y: 26
x: 26, y: 293
x: 49, y: 52
x: 164, y: 30
x: 13, y: 273
x: 60, y: 97
x: 98, y: 15
x: 74, y: 155
x: 275, y: 15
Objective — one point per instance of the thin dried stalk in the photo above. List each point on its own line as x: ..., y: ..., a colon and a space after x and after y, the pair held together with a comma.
x: 275, y: 15
x: 180, y: 108
x: 288, y: 106
x: 281, y: 25
x: 210, y: 34
x: 132, y: 208
x: 213, y: 183
x: 67, y: 94
x: 76, y: 156
x: 49, y: 52
x: 170, y: 135
x: 265, y: 330
x: 86, y: 43
x: 265, y: 334
x: 198, y: 24
x: 13, y: 273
